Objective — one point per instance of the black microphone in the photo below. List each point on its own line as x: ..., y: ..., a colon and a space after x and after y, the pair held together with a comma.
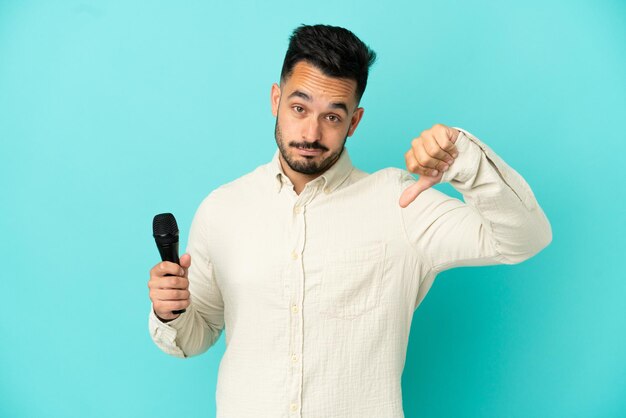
x: 165, y: 232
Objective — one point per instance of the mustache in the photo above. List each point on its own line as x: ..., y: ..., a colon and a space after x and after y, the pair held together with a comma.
x: 308, y: 145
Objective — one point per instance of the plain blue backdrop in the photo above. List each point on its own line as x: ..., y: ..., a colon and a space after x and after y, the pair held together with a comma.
x: 113, y: 111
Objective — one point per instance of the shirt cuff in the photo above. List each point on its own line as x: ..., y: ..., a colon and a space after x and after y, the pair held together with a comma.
x: 466, y: 163
x: 164, y: 334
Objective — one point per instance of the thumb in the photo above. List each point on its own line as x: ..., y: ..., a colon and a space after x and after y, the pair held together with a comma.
x: 185, y: 262
x: 410, y: 193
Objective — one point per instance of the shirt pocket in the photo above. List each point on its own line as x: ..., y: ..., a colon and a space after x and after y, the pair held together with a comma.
x: 351, y: 281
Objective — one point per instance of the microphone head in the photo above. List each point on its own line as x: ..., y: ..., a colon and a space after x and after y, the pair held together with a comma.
x: 165, y: 228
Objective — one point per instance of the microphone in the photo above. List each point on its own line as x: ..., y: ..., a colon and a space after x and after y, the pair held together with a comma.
x: 165, y: 232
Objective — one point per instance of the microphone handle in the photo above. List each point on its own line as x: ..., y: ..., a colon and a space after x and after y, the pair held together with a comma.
x: 170, y: 253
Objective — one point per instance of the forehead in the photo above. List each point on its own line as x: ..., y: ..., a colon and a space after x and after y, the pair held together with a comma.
x: 308, y: 78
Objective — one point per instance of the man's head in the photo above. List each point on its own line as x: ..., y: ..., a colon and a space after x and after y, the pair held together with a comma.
x: 323, y: 78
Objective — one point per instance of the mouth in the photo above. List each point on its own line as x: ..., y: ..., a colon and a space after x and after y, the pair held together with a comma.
x: 308, y: 151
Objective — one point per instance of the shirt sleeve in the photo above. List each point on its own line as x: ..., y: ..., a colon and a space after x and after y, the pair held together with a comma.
x: 196, y: 330
x: 500, y: 221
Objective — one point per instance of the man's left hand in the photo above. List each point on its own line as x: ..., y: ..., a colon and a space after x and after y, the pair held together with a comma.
x: 430, y: 155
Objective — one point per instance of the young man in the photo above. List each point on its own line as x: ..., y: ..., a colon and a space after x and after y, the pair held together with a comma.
x: 314, y: 267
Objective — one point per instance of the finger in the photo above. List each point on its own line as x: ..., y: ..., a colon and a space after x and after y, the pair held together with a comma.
x: 446, y: 137
x: 437, y: 157
x: 171, y: 305
x: 166, y: 267
x: 415, y: 167
x: 414, y: 190
x: 435, y: 150
x: 453, y: 134
x: 168, y: 282
x: 432, y: 165
x: 411, y: 162
x: 185, y: 263
x: 185, y: 260
x: 169, y: 294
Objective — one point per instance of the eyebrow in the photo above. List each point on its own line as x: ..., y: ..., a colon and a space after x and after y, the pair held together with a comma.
x: 334, y: 105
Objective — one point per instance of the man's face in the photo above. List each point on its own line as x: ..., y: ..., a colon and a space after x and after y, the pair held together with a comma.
x: 314, y: 116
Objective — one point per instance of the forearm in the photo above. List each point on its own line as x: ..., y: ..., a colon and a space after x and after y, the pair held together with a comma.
x: 512, y: 217
x: 185, y: 336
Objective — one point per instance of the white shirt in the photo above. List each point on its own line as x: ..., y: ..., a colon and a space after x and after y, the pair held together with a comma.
x: 317, y: 291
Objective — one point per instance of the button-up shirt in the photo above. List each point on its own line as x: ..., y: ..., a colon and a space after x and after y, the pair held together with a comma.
x: 316, y: 291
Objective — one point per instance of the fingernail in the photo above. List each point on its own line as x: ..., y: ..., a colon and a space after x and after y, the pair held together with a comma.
x: 182, y: 273
x: 445, y: 167
x: 454, y: 154
x: 450, y: 161
x: 435, y: 172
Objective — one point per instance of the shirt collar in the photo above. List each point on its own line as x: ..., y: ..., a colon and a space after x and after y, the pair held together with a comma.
x: 330, y: 179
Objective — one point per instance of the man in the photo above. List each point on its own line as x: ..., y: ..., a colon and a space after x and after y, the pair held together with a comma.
x: 314, y: 267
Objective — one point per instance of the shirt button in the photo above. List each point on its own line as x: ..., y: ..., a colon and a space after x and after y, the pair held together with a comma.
x: 294, y: 308
x: 326, y: 190
x: 297, y: 209
x: 294, y: 358
x: 294, y: 255
x: 294, y: 407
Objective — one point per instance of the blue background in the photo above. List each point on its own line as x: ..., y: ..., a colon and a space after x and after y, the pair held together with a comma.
x: 113, y: 111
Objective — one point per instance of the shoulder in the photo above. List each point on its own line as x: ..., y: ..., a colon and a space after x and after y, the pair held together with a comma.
x: 237, y: 191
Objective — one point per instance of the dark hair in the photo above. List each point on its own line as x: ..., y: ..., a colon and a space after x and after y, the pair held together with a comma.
x: 336, y: 51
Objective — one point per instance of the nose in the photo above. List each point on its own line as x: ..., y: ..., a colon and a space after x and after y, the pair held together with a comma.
x: 312, y: 131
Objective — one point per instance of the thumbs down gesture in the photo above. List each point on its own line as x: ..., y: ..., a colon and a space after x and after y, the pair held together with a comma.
x: 432, y: 153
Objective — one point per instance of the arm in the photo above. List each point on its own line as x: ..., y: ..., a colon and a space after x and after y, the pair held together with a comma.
x: 499, y: 223
x: 196, y: 330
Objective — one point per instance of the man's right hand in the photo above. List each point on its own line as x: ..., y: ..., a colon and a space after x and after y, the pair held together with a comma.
x: 169, y: 293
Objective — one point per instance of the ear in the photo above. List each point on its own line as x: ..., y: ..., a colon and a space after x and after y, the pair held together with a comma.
x: 356, y: 118
x: 275, y: 98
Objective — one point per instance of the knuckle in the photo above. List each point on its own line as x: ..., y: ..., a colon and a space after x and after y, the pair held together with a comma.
x: 431, y: 148
x: 421, y: 154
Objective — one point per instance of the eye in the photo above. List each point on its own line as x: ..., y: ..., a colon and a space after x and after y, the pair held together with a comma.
x: 333, y: 118
x: 298, y: 109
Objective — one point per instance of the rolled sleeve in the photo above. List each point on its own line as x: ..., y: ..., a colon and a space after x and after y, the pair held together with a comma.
x: 500, y: 221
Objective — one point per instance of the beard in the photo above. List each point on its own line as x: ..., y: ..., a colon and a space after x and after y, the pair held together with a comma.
x: 304, y: 164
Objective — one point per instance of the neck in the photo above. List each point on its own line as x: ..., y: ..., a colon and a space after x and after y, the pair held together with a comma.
x: 299, y: 180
